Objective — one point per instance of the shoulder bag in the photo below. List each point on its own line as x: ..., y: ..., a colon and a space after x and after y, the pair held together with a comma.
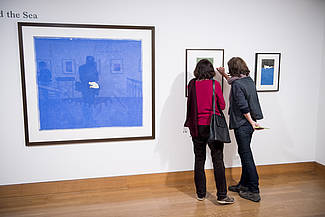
x: 218, y: 126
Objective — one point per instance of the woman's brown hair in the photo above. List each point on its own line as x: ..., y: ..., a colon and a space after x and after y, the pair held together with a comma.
x: 237, y: 66
x: 204, y: 70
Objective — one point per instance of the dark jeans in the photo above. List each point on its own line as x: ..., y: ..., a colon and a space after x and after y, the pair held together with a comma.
x: 249, y: 176
x: 216, y: 148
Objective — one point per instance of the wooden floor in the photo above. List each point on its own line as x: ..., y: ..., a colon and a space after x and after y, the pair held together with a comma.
x: 285, y: 193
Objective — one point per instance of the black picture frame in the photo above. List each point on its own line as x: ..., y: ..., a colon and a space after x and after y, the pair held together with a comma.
x: 267, y: 72
x: 33, y: 135
x: 193, y: 55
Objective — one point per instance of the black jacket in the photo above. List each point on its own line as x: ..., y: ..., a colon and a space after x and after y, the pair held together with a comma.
x: 191, y: 115
x: 243, y: 99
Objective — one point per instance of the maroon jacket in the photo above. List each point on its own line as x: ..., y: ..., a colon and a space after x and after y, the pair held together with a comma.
x: 191, y: 115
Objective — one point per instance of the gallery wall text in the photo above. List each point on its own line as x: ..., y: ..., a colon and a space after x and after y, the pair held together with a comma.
x: 17, y: 15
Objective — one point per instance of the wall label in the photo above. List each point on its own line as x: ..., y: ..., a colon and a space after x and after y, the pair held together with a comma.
x: 18, y: 15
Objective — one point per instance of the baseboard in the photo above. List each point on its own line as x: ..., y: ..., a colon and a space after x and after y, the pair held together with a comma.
x: 126, y: 182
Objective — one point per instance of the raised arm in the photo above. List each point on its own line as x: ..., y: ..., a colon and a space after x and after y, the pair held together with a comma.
x: 222, y: 72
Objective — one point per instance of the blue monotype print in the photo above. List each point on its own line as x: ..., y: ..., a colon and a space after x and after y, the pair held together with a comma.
x: 88, y: 83
x: 267, y: 72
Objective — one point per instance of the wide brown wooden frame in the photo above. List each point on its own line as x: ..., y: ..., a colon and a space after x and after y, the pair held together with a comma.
x: 61, y: 25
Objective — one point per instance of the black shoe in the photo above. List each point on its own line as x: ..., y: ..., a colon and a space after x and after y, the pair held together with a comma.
x: 226, y: 200
x: 200, y: 198
x: 237, y: 188
x: 250, y: 196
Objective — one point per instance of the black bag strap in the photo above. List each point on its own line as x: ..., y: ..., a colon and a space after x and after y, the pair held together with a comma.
x: 214, y: 99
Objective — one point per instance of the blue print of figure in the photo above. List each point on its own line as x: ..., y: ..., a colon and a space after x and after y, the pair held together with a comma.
x: 78, y: 90
x: 44, y: 78
x: 88, y: 86
x: 88, y: 76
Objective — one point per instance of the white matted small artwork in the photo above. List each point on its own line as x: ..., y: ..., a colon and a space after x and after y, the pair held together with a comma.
x: 267, y: 71
x: 193, y: 56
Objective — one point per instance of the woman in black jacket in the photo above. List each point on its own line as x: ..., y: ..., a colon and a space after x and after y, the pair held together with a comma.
x: 244, y: 111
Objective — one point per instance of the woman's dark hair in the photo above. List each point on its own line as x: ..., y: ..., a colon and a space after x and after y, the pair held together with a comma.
x: 204, y: 70
x: 237, y: 66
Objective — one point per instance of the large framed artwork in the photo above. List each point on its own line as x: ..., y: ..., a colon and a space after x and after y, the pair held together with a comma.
x: 87, y: 83
x: 193, y: 56
x: 267, y: 71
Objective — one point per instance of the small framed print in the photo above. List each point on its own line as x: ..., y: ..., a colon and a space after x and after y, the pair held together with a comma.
x: 116, y: 66
x: 68, y: 66
x: 267, y: 71
x: 193, y: 56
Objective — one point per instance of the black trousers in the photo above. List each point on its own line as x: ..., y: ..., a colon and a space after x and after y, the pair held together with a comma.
x: 249, y: 176
x: 216, y: 148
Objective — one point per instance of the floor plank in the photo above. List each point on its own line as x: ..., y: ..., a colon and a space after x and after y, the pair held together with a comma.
x: 295, y: 193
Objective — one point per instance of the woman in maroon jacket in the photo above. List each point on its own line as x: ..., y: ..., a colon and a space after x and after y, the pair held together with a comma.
x: 199, y: 111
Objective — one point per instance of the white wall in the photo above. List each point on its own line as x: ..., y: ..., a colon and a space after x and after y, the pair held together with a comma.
x: 242, y: 28
x: 320, y: 145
